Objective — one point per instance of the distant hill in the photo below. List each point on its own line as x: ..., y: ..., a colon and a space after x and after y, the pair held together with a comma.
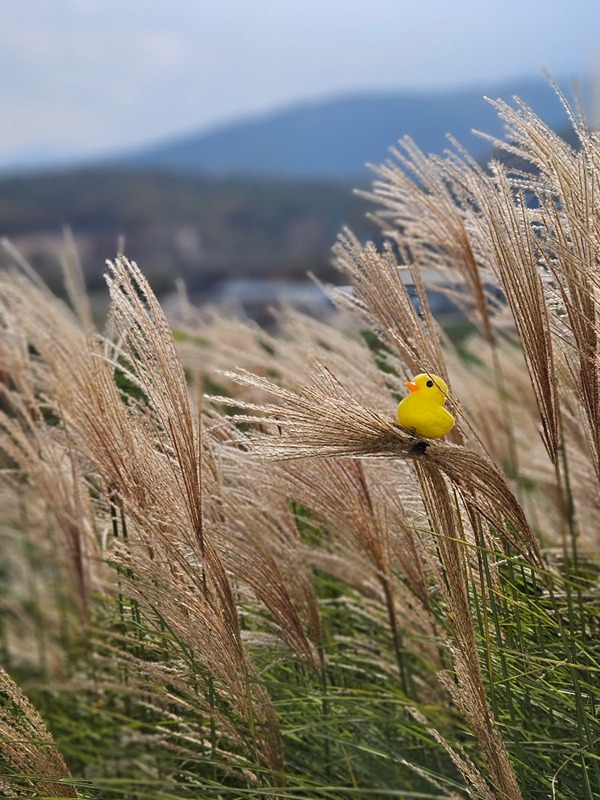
x: 336, y: 138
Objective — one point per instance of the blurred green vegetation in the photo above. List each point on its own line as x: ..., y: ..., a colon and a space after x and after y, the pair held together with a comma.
x: 199, y: 229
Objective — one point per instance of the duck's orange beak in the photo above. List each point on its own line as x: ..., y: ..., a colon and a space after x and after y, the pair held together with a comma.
x: 414, y: 387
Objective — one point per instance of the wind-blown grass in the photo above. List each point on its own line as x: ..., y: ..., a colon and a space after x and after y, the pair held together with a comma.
x: 277, y: 591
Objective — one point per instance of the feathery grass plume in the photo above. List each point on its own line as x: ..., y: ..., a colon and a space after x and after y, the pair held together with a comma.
x: 260, y: 545
x: 345, y: 427
x: 513, y: 255
x: 403, y: 512
x: 416, y: 338
x: 148, y: 345
x: 565, y: 216
x: 29, y: 431
x: 77, y: 381
x: 361, y: 528
x: 417, y: 204
x: 30, y: 763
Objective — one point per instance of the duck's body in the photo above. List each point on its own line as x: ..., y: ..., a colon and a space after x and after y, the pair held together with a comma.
x: 423, y: 410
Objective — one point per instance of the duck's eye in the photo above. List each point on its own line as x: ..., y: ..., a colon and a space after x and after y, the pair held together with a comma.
x: 429, y: 384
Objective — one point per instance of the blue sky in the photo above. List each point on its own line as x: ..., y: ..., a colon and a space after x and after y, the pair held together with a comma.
x: 89, y: 76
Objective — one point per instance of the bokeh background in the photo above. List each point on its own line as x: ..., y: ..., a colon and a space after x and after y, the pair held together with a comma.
x: 221, y: 142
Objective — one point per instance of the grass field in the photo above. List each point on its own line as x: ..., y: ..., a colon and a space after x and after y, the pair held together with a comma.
x: 228, y: 573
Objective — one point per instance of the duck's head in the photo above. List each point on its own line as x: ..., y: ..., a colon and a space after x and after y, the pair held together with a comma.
x: 429, y: 386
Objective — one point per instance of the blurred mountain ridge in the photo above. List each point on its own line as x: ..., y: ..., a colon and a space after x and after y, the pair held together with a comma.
x: 337, y: 137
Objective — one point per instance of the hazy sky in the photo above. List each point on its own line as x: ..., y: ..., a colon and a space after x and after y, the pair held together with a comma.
x: 94, y: 75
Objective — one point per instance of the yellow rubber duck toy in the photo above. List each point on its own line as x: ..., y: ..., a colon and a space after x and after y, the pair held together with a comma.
x: 423, y: 410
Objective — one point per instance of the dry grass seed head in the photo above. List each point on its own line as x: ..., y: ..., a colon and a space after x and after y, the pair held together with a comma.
x: 418, y: 203
x: 261, y: 547
x: 379, y: 290
x: 325, y: 419
x: 565, y: 218
x: 27, y: 749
